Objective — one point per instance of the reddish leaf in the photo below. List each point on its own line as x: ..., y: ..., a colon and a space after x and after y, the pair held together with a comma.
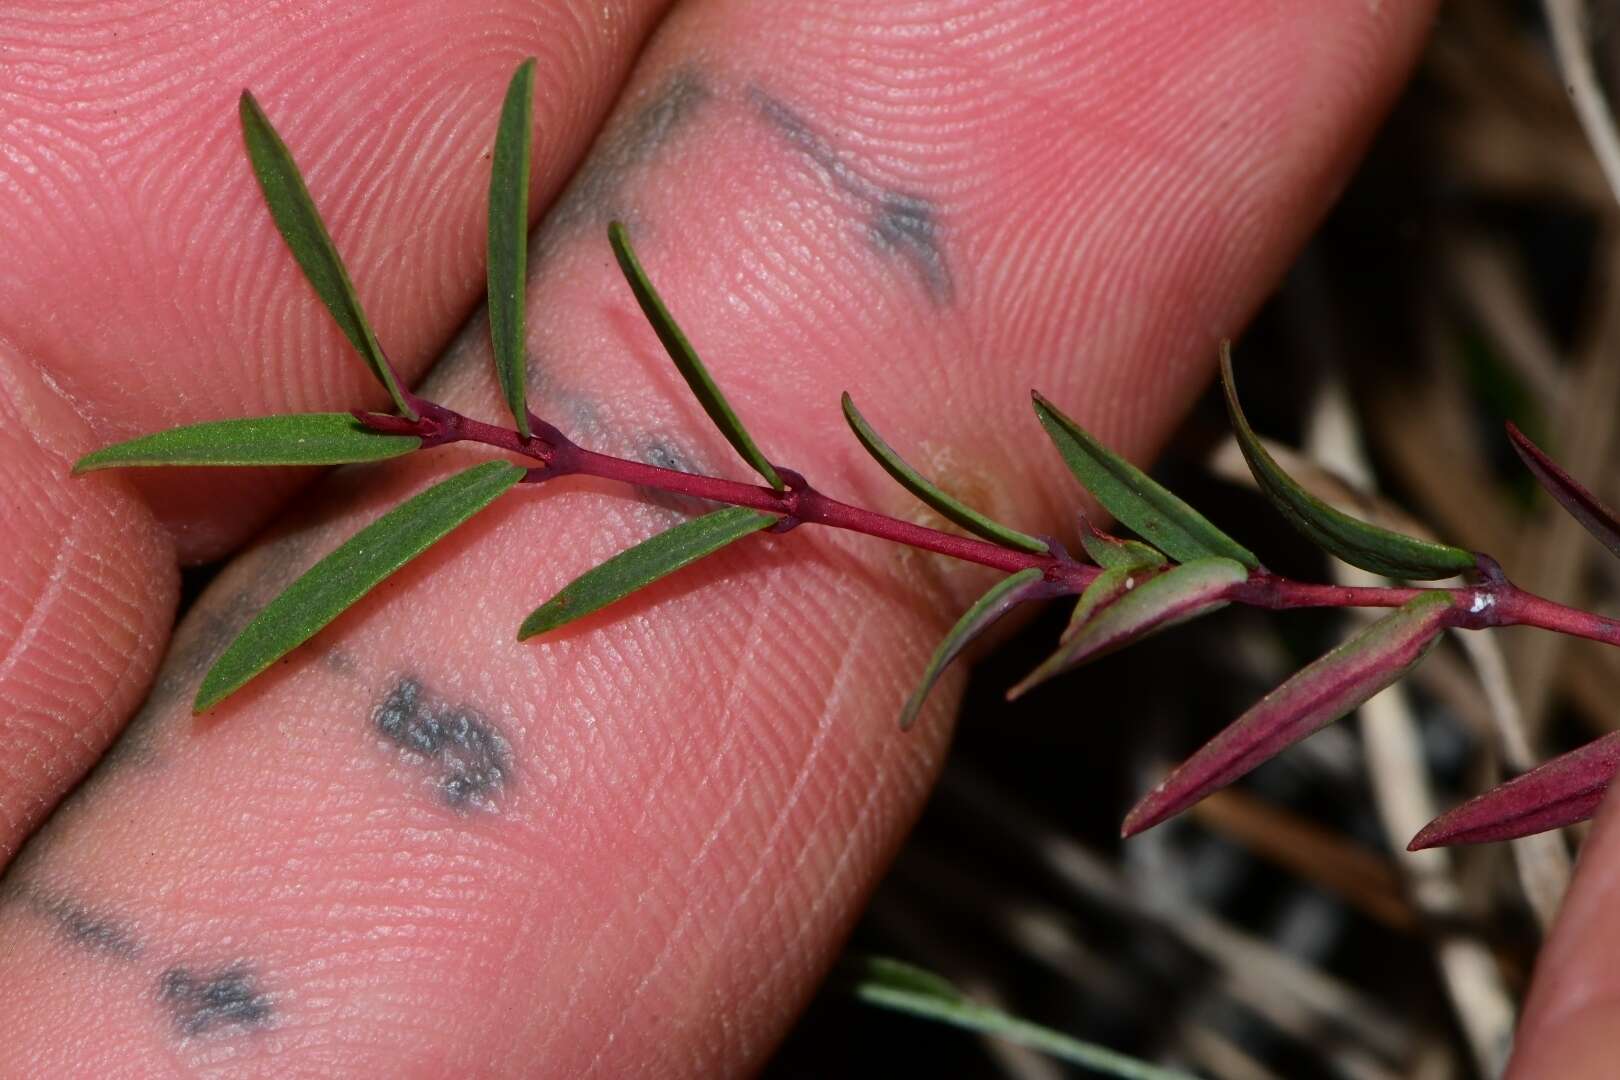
x: 1560, y: 792
x: 1313, y: 698
x: 1582, y: 505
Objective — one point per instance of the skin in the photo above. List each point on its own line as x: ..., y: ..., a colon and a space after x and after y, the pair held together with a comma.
x: 417, y: 847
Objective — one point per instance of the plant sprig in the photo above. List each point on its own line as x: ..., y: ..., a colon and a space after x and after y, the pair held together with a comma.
x: 1179, y: 566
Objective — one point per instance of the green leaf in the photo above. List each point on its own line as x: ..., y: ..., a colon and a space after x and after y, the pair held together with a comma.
x: 509, y: 239
x: 901, y: 987
x: 1104, y: 589
x: 1137, y: 500
x: 644, y: 564
x: 1112, y: 553
x: 361, y: 563
x: 914, y: 482
x: 686, y: 358
x: 1370, y: 547
x: 301, y: 226
x: 298, y: 439
x: 1001, y: 598
x: 1315, y: 696
x: 1115, y: 612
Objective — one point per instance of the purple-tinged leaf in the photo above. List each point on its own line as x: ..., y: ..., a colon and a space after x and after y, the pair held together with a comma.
x: 1122, y: 606
x: 1110, y: 552
x: 1560, y: 792
x: 1001, y: 598
x: 1313, y: 698
x: 1582, y: 505
x: 1371, y: 547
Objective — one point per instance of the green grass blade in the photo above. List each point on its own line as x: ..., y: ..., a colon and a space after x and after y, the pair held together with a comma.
x: 1356, y: 542
x: 509, y: 239
x: 301, y: 226
x: 919, y: 485
x: 1001, y: 598
x: 1136, y: 499
x: 297, y: 439
x: 644, y: 564
x: 891, y: 984
x: 361, y: 563
x: 686, y: 358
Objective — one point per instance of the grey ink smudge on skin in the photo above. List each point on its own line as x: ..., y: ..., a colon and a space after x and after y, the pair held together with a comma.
x: 203, y: 1003
x: 76, y: 923
x: 628, y: 144
x: 472, y: 760
x: 898, y: 223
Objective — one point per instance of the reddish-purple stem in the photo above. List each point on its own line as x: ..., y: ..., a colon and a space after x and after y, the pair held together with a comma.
x: 1493, y: 601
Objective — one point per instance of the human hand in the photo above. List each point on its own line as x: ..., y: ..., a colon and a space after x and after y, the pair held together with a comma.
x: 680, y: 807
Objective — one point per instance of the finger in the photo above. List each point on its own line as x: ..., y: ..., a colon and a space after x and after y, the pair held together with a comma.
x: 1568, y: 1025
x: 143, y: 272
x: 86, y: 600
x: 421, y: 846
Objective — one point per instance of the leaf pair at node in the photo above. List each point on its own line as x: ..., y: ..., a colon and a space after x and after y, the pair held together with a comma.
x: 1135, y: 594
x: 1568, y: 788
x: 348, y: 573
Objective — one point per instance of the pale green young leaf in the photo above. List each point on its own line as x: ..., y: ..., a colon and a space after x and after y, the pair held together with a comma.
x: 1126, y: 608
x: 1001, y: 598
x: 949, y: 506
x: 686, y: 358
x: 644, y: 564
x: 1356, y: 542
x: 1111, y: 553
x: 358, y: 565
x: 301, y: 226
x: 293, y: 439
x: 509, y: 240
x: 1136, y: 499
x: 901, y: 987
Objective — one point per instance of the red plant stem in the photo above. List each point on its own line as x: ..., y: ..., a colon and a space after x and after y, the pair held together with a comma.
x: 1495, y: 601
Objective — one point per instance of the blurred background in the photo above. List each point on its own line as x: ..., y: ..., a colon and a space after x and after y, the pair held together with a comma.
x: 1470, y: 275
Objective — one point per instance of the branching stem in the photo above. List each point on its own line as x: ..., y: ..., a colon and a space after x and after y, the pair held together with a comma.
x: 1493, y: 601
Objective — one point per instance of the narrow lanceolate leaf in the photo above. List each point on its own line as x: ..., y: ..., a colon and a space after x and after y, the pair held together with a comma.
x: 644, y: 564
x: 686, y: 358
x: 1124, y: 605
x: 901, y: 987
x: 509, y: 239
x: 1001, y: 598
x: 1560, y: 792
x: 296, y: 439
x: 1111, y: 553
x: 301, y: 226
x: 1582, y: 505
x: 362, y: 562
x: 1136, y: 499
x: 919, y: 485
x: 1319, y: 694
x: 1370, y: 547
